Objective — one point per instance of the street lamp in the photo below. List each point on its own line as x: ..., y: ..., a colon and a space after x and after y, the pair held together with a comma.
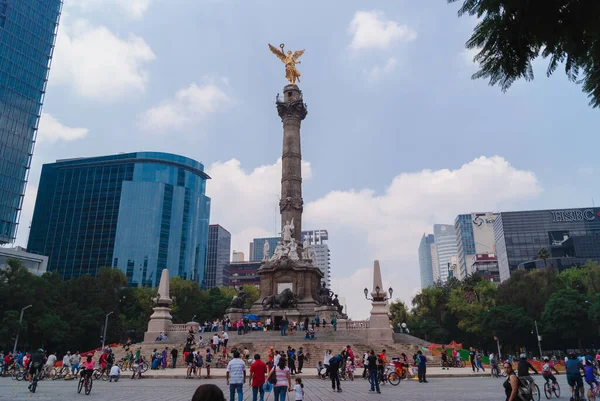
x: 377, y: 297
x: 19, y: 330
x: 105, y: 327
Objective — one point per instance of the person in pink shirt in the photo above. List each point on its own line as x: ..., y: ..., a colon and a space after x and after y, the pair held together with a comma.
x: 88, y: 366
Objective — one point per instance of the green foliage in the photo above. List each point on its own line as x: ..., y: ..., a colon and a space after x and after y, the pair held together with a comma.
x: 511, y: 34
x: 398, y: 313
x: 566, y: 315
x: 470, y: 301
x: 69, y: 315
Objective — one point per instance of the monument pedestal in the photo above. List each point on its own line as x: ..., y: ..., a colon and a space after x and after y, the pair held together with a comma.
x: 379, y: 323
x: 328, y: 312
x: 159, y: 322
x: 301, y: 277
x: 235, y: 314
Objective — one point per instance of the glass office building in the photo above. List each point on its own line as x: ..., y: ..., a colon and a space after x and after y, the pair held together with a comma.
x: 217, y: 257
x: 425, y: 260
x: 445, y: 244
x: 571, y: 236
x: 139, y: 212
x: 27, y: 35
x: 474, y: 235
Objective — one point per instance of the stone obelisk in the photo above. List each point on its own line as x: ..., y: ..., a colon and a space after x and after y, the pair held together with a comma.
x: 292, y: 111
x: 379, y: 322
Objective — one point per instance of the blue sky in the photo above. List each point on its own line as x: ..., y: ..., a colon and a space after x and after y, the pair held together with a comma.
x: 398, y: 136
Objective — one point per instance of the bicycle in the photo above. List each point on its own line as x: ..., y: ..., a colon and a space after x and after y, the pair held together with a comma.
x: 576, y: 395
x: 34, y: 380
x: 458, y: 364
x: 592, y: 392
x: 495, y: 371
x: 551, y: 388
x: 85, y: 381
x: 101, y: 374
x: 59, y: 373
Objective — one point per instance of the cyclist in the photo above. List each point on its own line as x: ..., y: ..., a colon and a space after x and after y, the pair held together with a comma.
x: 547, y: 369
x: 36, y: 364
x: 574, y: 367
x: 523, y: 370
x: 590, y: 378
x: 88, y: 367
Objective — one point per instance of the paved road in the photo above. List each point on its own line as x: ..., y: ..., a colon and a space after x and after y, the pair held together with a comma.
x: 455, y: 389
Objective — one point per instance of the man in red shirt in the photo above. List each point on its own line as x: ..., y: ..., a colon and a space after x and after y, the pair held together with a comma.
x: 271, y: 357
x: 258, y: 371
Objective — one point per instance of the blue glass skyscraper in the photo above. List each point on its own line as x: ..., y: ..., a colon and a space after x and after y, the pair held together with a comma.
x: 139, y: 212
x: 425, y: 260
x: 27, y: 34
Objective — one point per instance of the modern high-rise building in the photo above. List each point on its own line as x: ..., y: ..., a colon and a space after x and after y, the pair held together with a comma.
x: 571, y: 237
x: 445, y: 244
x: 425, y: 261
x: 474, y: 235
x: 139, y: 212
x: 244, y: 273
x: 238, y: 257
x: 217, y: 257
x: 27, y: 34
x: 316, y: 239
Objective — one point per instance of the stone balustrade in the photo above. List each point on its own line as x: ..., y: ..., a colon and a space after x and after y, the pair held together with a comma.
x: 178, y: 327
x: 357, y: 325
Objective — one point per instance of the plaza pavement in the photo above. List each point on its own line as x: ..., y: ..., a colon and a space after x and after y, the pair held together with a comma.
x: 453, y: 389
x: 311, y: 373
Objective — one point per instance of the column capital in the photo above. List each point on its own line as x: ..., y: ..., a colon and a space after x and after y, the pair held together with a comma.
x: 295, y: 109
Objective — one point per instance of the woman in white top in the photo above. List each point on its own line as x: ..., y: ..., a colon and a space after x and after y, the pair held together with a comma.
x: 284, y: 379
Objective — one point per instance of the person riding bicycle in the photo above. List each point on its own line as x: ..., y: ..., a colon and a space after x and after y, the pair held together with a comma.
x: 37, y: 363
x: 590, y: 378
x: 523, y: 370
x: 574, y: 367
x: 547, y: 369
x: 88, y: 367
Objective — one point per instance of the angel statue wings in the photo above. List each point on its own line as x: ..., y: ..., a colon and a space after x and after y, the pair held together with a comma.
x: 290, y: 60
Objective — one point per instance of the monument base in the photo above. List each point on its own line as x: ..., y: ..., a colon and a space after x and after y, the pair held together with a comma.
x: 299, y: 276
x: 379, y: 323
x: 329, y: 312
x: 235, y: 314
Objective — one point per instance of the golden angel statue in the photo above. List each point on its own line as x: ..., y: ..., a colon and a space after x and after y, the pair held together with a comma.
x: 290, y: 60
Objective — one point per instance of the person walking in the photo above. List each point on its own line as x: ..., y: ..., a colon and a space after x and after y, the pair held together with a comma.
x: 300, y: 359
x: 422, y: 367
x: 164, y: 355
x: 236, y: 377
x: 334, y: 372
x: 472, y: 354
x: 216, y: 343
x: 334, y: 323
x: 189, y: 360
x: 174, y: 353
x: 208, y: 360
x: 284, y: 379
x: 298, y: 390
x: 306, y: 322
x: 258, y: 371
x: 292, y: 361
x: 479, y: 361
x: 225, y: 338
x: 372, y: 367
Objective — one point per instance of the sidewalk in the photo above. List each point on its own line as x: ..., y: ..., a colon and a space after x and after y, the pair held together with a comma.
x: 310, y: 373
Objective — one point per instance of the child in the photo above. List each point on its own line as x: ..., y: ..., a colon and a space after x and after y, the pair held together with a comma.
x: 350, y: 368
x: 298, y: 389
x: 320, y: 368
x: 590, y: 378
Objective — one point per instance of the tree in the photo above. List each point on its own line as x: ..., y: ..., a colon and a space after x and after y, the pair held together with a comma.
x: 543, y: 254
x: 469, y: 302
x: 566, y: 316
x: 398, y: 312
x: 511, y: 34
x: 510, y: 324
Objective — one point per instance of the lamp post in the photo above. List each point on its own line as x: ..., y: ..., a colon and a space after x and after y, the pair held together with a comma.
x: 378, y: 298
x: 19, y: 330
x: 105, y: 327
x: 539, y: 338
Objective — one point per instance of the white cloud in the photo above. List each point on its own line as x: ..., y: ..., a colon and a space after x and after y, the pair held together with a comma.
x: 364, y: 225
x: 191, y: 104
x: 371, y: 30
x: 377, y: 72
x: 258, y: 191
x: 97, y: 63
x: 52, y: 130
x: 586, y: 170
x: 134, y: 8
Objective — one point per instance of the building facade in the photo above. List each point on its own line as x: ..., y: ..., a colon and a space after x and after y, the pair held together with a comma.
x: 425, y: 261
x: 139, y: 212
x: 27, y: 34
x: 217, y: 257
x: 242, y: 273
x: 445, y: 244
x: 238, y: 257
x: 474, y: 235
x: 257, y: 245
x: 571, y: 236
x: 35, y: 264
x: 486, y: 266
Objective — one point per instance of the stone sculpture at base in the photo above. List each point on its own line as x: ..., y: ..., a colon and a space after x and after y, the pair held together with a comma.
x: 237, y: 308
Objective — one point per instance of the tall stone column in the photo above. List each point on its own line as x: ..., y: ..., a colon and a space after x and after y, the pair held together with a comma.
x: 292, y: 111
